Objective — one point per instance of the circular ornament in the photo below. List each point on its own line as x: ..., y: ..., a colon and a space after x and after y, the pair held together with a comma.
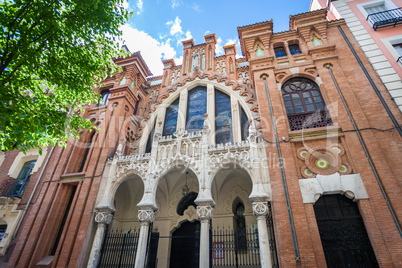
x: 322, y: 163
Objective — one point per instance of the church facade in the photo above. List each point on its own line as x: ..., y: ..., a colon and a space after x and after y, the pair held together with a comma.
x: 285, y: 157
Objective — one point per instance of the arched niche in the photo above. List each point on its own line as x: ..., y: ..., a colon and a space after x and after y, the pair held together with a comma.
x: 128, y: 194
x: 231, y: 185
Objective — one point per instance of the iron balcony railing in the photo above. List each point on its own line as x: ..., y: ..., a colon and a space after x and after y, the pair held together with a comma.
x: 12, y: 188
x: 399, y: 59
x: 385, y: 19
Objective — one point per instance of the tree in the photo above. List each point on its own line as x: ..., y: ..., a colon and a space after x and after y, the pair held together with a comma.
x: 53, y: 53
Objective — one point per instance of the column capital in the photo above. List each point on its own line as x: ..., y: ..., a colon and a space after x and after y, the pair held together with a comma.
x: 104, y: 217
x: 260, y: 208
x: 204, y: 212
x: 146, y: 215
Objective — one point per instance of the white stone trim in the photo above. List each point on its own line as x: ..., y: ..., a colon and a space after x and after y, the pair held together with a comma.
x: 362, y: 7
x: 352, y: 185
x: 19, y: 161
x: 390, y: 41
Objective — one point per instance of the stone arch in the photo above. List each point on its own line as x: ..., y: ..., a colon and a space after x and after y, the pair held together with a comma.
x: 108, y: 197
x: 302, y: 74
x: 239, y: 194
x: 125, y: 199
x: 231, y: 182
x: 351, y: 185
x: 187, y: 87
x: 190, y: 215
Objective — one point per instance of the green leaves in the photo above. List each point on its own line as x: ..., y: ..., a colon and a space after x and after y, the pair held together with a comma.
x: 52, y: 54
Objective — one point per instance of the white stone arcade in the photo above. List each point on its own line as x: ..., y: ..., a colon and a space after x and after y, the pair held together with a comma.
x: 220, y: 174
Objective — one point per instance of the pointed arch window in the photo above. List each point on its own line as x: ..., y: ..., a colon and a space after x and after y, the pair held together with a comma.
x: 304, y: 104
x: 150, y: 140
x: 241, y: 231
x: 245, y: 124
x: 196, y: 108
x: 171, y: 118
x: 223, y: 118
x: 104, y: 99
x: 86, y: 152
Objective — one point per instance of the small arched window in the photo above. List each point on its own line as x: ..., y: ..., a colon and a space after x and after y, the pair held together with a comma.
x: 241, y: 231
x: 86, y: 152
x: 22, y: 179
x: 171, y: 118
x: 304, y: 104
x: 104, y: 99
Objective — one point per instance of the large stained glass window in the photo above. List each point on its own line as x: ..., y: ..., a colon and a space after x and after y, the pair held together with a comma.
x: 223, y: 118
x: 245, y: 124
x: 196, y: 109
x: 171, y: 118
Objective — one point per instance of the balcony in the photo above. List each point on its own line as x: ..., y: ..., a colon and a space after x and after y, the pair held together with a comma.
x: 12, y: 188
x: 399, y: 60
x: 385, y: 19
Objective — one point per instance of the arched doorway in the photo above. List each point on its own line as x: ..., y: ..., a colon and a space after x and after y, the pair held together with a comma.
x: 176, y: 219
x: 343, y: 234
x: 119, y: 246
x: 185, y: 247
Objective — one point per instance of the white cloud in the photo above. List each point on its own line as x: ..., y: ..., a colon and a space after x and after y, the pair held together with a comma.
x: 175, y: 3
x: 152, y: 50
x: 177, y: 31
x: 219, y: 47
x: 196, y: 8
x: 207, y: 32
x: 126, y: 4
x: 176, y: 27
x: 140, y: 5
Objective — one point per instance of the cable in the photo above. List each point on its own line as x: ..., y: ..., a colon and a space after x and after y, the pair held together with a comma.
x: 344, y: 131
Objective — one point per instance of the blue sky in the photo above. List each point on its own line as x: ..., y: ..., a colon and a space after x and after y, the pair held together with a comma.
x: 158, y: 27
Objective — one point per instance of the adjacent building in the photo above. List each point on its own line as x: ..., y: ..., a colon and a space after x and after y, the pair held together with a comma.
x: 286, y: 157
x: 377, y: 28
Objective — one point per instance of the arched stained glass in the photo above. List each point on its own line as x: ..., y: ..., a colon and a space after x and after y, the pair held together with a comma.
x: 196, y: 108
x: 245, y: 124
x: 171, y: 118
x: 223, y: 118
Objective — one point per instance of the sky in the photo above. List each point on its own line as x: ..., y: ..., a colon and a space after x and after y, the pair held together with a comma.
x: 158, y: 27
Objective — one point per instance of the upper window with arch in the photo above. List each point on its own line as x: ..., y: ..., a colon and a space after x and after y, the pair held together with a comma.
x: 197, y: 105
x: 280, y: 52
x: 104, y: 99
x: 294, y: 49
x: 304, y: 104
x: 171, y: 118
x: 196, y: 108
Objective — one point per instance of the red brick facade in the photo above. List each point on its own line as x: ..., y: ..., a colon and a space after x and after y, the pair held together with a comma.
x: 121, y: 122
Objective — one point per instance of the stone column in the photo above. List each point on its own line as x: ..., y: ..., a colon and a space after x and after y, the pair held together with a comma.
x: 146, y: 217
x: 204, y: 214
x: 260, y: 209
x: 102, y: 219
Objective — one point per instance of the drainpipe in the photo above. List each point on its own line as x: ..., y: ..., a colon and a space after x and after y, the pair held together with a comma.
x: 32, y: 194
x: 285, y: 187
x: 366, y: 152
x: 371, y: 82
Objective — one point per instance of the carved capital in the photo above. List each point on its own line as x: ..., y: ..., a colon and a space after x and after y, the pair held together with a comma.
x: 147, y: 216
x: 260, y: 208
x: 103, y: 217
x: 204, y: 212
